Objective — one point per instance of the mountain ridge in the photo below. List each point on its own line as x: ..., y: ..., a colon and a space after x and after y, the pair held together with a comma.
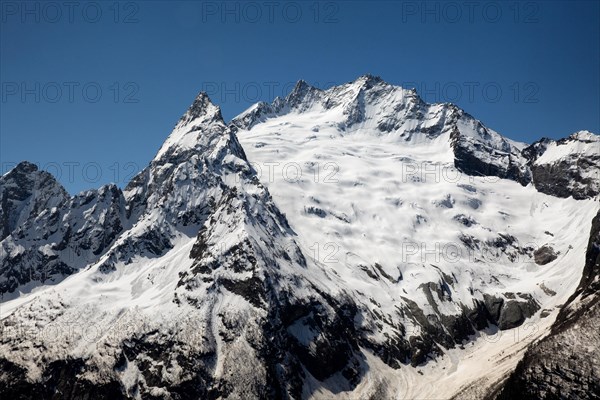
x: 201, y: 239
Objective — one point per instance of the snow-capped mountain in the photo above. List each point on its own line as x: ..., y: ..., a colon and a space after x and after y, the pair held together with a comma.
x: 355, y: 242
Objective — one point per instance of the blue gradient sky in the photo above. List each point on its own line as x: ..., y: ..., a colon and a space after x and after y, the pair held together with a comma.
x: 149, y: 59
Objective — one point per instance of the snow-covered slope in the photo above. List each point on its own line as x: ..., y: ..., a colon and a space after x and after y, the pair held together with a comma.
x: 394, y: 215
x: 403, y: 245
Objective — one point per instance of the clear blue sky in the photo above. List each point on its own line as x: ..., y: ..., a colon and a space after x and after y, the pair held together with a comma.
x: 149, y: 59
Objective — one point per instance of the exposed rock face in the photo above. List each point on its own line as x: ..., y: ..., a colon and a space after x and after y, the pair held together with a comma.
x: 47, y: 237
x: 544, y: 255
x: 511, y: 310
x: 567, y: 167
x: 61, y: 379
x: 515, y: 312
x: 489, y: 155
x: 566, y: 363
x: 563, y: 168
x: 24, y: 192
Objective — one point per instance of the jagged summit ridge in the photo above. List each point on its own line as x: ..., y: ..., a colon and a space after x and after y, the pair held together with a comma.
x: 585, y: 135
x: 202, y: 107
x: 26, y: 191
x: 369, y: 105
x: 24, y: 167
x: 199, y: 128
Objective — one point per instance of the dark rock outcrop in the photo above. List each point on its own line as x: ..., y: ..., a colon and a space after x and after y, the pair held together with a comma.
x: 50, y: 240
x: 574, y: 173
x: 544, y: 255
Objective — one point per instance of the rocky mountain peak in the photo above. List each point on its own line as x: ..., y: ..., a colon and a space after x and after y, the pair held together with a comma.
x: 201, y: 108
x: 585, y: 136
x: 24, y: 167
x: 25, y: 174
x: 303, y: 96
x: 200, y: 127
x: 25, y: 190
x: 369, y: 80
x: 301, y: 86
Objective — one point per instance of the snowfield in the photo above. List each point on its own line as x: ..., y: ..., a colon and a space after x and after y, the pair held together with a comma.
x: 359, y: 197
